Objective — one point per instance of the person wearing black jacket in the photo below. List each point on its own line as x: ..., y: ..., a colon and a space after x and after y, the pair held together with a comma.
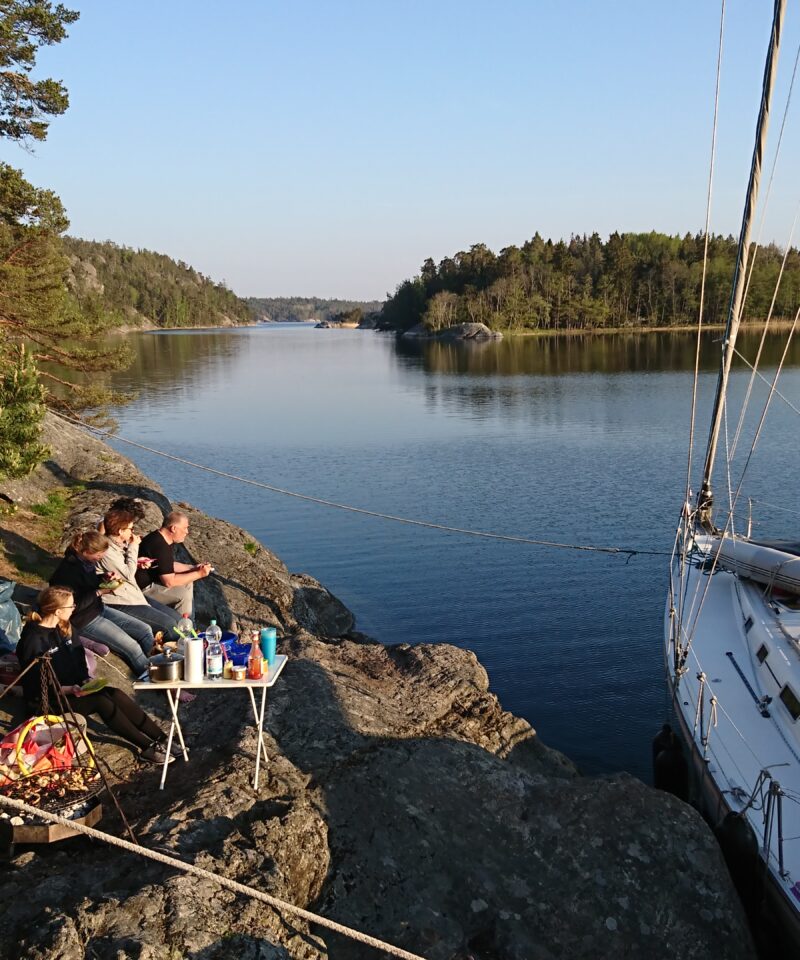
x: 125, y: 635
x: 49, y: 631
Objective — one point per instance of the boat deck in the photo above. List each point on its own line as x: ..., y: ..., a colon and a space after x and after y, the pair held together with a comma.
x: 748, y: 652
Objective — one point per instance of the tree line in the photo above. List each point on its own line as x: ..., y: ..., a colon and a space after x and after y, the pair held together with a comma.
x: 140, y: 286
x: 631, y: 280
x: 299, y: 309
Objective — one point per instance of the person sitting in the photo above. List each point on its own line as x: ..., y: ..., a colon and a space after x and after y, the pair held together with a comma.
x: 132, y: 505
x: 125, y: 635
x: 50, y: 631
x: 120, y: 564
x: 167, y: 580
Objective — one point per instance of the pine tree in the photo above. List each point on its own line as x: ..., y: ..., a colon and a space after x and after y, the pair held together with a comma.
x: 35, y: 306
x: 22, y: 410
x: 25, y: 103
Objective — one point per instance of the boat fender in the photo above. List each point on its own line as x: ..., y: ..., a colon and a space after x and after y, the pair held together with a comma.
x: 670, y: 770
x: 740, y: 848
x: 662, y: 740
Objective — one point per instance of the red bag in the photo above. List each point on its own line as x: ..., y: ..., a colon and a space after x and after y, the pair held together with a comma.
x: 39, y: 745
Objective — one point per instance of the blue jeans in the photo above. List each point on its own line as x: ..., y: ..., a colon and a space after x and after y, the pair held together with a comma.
x: 125, y: 635
x: 156, y: 615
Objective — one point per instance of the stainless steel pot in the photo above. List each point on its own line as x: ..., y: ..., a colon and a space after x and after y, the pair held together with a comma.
x: 166, y: 667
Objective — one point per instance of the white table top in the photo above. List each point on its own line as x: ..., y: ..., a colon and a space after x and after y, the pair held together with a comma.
x: 272, y: 675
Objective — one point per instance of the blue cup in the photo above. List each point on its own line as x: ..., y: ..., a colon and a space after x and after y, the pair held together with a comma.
x: 268, y: 638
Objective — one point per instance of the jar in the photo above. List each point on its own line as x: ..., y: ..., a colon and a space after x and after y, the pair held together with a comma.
x: 255, y: 667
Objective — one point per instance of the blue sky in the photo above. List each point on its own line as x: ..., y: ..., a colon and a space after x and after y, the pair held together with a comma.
x: 312, y: 148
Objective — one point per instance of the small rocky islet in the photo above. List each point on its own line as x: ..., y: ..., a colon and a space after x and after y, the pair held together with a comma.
x: 400, y: 799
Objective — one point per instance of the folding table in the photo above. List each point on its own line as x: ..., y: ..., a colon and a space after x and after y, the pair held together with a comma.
x: 172, y: 689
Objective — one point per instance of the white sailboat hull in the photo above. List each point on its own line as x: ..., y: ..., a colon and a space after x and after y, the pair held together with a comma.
x: 734, y: 712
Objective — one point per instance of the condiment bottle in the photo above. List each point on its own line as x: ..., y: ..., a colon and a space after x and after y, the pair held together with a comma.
x: 255, y: 663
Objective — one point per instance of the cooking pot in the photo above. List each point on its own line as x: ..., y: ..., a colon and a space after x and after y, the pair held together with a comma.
x: 166, y: 667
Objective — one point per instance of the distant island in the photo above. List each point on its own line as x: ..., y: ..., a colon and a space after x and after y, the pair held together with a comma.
x: 641, y: 280
x: 303, y: 309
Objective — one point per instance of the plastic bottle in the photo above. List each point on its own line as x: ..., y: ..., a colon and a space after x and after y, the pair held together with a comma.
x: 213, y: 652
x: 184, y: 628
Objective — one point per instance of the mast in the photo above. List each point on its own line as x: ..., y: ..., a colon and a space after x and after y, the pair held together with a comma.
x: 705, y: 499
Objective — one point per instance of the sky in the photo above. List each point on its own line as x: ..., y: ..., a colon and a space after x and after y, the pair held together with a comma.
x: 311, y: 148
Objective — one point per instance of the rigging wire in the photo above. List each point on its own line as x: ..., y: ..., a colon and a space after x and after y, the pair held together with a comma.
x: 765, y: 205
x: 693, y: 414
x: 777, y: 392
x: 774, y: 506
x: 767, y: 405
x: 588, y: 548
x: 754, y: 365
x: 693, y: 418
x: 733, y: 499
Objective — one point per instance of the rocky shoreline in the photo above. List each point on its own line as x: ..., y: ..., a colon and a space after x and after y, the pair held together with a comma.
x: 400, y: 799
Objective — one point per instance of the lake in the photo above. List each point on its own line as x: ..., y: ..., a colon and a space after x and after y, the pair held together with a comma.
x: 581, y: 440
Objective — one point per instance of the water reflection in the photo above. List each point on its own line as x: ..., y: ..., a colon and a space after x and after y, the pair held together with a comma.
x: 575, y: 439
x: 162, y: 360
x: 587, y: 353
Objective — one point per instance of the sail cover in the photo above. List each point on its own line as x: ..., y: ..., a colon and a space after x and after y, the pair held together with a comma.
x: 770, y: 565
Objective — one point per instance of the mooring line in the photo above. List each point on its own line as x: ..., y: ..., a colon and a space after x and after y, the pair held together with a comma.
x: 623, y: 551
x: 280, y: 905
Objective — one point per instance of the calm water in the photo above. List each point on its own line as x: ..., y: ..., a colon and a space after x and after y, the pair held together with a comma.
x: 580, y: 440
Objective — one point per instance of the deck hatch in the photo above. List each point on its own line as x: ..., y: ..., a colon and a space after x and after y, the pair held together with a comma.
x: 763, y: 653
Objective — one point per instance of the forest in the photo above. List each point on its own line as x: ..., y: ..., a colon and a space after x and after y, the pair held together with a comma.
x: 139, y: 287
x: 633, y: 280
x: 297, y: 309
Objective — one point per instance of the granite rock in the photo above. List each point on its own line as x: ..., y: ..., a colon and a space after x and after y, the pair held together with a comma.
x: 400, y: 798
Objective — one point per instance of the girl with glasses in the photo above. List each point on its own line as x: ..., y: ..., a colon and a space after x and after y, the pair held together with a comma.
x: 50, y: 630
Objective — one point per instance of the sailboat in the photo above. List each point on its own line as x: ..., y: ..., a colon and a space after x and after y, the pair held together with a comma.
x: 732, y: 640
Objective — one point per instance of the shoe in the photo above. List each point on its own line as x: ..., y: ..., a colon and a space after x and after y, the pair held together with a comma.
x: 176, y: 750
x: 156, y: 753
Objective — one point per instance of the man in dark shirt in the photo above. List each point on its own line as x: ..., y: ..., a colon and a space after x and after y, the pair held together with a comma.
x: 166, y: 579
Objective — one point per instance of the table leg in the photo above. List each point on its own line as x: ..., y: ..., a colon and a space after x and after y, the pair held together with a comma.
x: 176, y: 724
x: 169, y: 739
x: 259, y: 718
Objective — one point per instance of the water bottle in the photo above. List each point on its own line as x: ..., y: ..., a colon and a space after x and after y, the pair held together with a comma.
x: 184, y: 629
x: 213, y: 652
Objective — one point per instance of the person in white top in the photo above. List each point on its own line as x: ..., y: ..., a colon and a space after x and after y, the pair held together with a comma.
x: 119, y: 566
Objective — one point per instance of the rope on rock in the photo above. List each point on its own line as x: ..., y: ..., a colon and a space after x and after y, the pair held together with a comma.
x: 280, y: 905
x: 624, y: 551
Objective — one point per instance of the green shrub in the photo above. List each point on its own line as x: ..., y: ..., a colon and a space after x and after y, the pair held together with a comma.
x: 54, y: 507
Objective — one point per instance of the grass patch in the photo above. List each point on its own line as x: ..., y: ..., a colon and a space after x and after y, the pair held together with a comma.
x: 251, y: 547
x: 53, y: 508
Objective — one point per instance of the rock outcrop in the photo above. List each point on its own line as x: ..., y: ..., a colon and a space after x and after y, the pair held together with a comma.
x: 400, y: 799
x: 469, y: 332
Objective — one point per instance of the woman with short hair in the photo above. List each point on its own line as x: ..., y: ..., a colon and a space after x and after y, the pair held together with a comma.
x: 120, y: 564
